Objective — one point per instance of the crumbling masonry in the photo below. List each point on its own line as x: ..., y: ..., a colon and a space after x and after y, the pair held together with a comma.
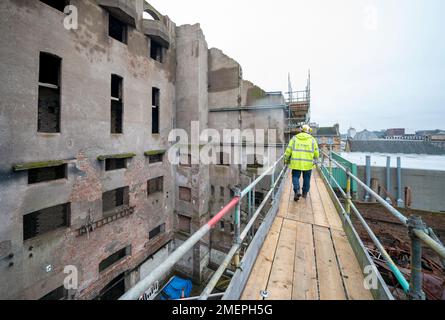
x: 84, y: 122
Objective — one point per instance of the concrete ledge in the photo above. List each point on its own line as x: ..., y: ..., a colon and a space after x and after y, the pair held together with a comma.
x: 157, y: 31
x: 124, y: 10
x: 117, y: 156
x: 38, y: 165
x: 154, y: 152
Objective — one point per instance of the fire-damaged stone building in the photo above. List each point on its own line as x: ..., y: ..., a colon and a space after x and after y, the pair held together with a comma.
x: 85, y: 118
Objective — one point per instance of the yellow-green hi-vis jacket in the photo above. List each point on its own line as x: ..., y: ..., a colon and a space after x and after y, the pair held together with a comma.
x: 301, y: 152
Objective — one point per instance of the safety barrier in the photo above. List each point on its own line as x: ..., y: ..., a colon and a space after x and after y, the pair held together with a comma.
x: 417, y: 230
x: 339, y: 175
x: 239, y: 236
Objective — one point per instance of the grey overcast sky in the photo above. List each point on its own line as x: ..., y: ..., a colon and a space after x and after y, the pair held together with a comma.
x: 374, y: 64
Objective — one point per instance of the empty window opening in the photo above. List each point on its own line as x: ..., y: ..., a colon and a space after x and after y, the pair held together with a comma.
x: 57, y: 4
x: 156, y: 102
x: 47, y: 174
x: 254, y: 162
x: 185, y: 194
x: 156, y: 231
x: 186, y: 160
x: 58, y: 294
x: 157, y: 158
x: 221, y: 191
x: 212, y: 190
x: 156, y: 51
x: 115, y: 164
x: 259, y: 198
x: 221, y: 225
x: 117, y: 29
x: 115, y: 199
x: 155, y: 185
x: 117, y: 104
x: 45, y: 220
x: 114, y: 258
x: 49, y: 94
x: 113, y: 290
x: 232, y: 193
x: 185, y: 223
x: 223, y: 159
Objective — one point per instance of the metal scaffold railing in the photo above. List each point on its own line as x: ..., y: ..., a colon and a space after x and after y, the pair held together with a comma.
x: 417, y: 230
x: 239, y: 236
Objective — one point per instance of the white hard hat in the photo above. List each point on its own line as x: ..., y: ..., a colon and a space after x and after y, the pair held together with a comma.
x: 306, y: 128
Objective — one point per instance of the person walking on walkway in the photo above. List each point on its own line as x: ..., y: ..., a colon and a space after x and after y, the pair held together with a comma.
x: 301, y: 155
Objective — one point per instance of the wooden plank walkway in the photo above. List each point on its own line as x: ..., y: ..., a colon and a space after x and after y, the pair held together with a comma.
x: 306, y: 255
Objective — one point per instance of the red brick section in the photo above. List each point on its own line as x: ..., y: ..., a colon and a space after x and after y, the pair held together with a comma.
x: 86, y: 252
x: 88, y: 187
x: 128, y: 264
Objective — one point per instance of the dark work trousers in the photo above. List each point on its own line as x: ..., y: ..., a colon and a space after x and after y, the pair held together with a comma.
x: 296, y: 175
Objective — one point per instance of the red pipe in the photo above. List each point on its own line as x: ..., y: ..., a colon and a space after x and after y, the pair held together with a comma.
x: 223, y: 212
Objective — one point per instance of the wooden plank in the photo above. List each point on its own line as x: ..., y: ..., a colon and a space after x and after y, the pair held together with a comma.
x: 261, y: 271
x: 320, y: 218
x: 305, y: 286
x: 331, y: 212
x: 301, y: 210
x: 281, y: 277
x: 295, y: 209
x: 241, y: 276
x: 350, y: 268
x: 329, y: 277
x: 307, y: 214
x: 287, y: 193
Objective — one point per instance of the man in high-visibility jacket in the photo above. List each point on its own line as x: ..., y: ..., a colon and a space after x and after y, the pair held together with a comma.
x: 301, y: 155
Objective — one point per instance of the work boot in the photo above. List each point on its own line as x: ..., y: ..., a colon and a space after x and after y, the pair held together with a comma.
x: 304, y: 195
x: 297, y: 197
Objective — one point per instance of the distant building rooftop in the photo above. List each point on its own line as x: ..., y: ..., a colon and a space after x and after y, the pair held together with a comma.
x: 326, y: 131
x: 409, y: 161
x: 333, y: 131
x: 391, y: 147
x: 365, y: 135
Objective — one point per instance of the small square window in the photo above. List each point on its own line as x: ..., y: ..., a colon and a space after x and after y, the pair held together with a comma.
x: 184, y: 223
x: 185, y: 194
x: 114, y: 258
x: 157, y: 158
x: 155, y: 185
x: 47, y: 174
x: 156, y: 231
x: 115, y: 199
x: 46, y: 220
x: 115, y: 164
